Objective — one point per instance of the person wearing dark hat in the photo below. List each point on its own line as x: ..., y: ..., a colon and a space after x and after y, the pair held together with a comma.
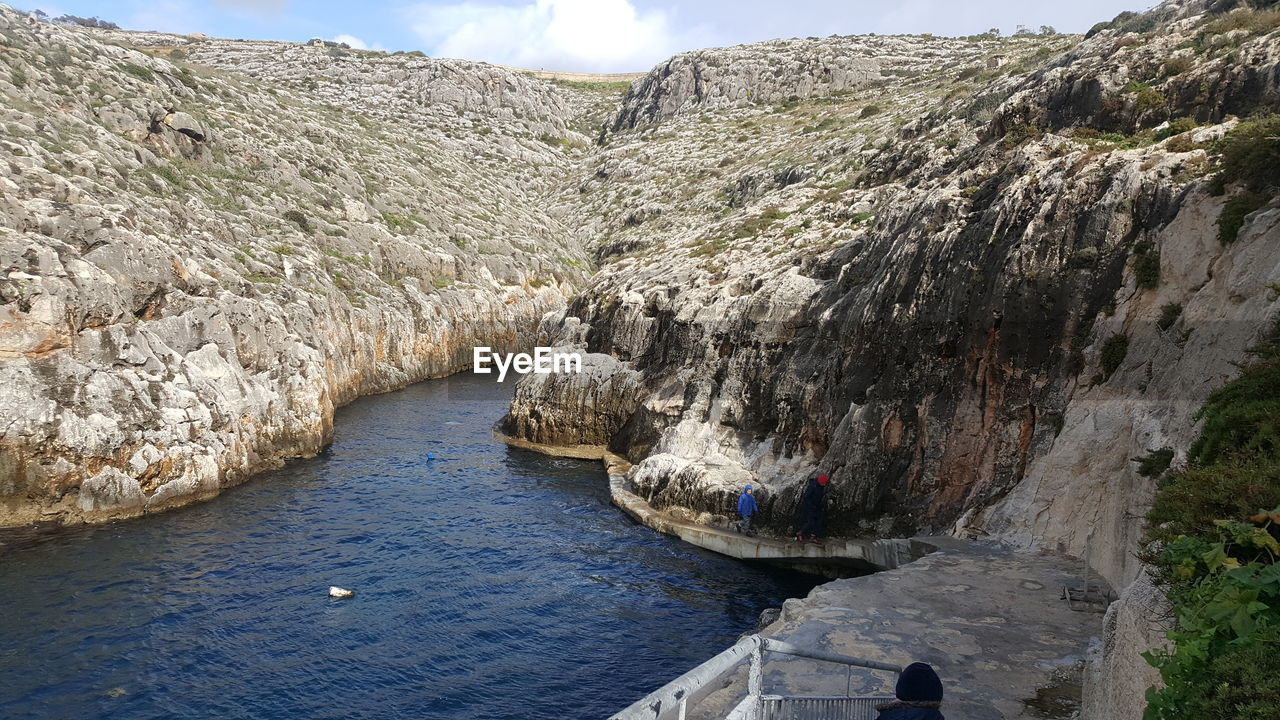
x: 746, y: 508
x: 811, y: 509
x: 919, y: 695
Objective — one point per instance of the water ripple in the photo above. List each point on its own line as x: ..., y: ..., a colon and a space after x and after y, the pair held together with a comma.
x: 491, y: 583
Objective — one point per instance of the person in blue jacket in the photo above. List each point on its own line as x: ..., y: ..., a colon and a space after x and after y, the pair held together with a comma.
x: 919, y: 695
x: 746, y: 508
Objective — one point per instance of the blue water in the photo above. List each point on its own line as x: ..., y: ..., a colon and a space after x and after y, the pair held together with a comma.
x: 491, y: 583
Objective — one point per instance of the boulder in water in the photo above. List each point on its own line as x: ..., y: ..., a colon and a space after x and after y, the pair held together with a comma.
x: 337, y: 592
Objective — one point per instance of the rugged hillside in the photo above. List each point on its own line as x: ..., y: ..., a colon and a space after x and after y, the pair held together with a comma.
x: 209, y: 246
x: 973, y: 279
x: 971, y: 286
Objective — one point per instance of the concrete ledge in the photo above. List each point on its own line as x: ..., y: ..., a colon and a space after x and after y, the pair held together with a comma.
x: 836, y: 557
x: 832, y: 554
x: 582, y: 452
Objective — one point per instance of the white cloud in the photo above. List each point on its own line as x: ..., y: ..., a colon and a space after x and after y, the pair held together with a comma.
x: 356, y: 42
x: 574, y: 35
x: 259, y: 8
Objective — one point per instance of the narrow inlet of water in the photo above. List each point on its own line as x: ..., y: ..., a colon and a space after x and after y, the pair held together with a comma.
x: 490, y: 583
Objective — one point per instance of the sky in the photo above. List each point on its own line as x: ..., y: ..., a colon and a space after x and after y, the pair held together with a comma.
x: 577, y: 35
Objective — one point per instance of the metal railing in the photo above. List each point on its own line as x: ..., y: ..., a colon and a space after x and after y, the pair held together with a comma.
x: 781, y: 707
x: 674, y: 700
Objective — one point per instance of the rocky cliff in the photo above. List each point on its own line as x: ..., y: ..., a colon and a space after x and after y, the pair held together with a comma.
x: 209, y: 245
x: 971, y: 280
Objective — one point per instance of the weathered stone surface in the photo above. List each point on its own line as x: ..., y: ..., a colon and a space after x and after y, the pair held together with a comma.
x: 892, y: 259
x: 198, y: 265
x: 912, y: 294
x: 991, y: 622
x: 908, y: 284
x: 769, y: 72
x: 1083, y: 495
x: 111, y: 492
x: 187, y: 125
x: 1116, y: 676
x: 574, y: 408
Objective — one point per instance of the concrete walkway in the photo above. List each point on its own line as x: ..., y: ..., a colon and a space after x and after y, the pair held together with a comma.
x: 835, y: 557
x: 990, y: 620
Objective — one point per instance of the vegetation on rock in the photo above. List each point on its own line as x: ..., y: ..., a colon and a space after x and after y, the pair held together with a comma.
x: 1214, y: 538
x: 1248, y: 157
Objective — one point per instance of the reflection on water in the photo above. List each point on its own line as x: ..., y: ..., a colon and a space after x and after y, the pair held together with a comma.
x: 491, y: 583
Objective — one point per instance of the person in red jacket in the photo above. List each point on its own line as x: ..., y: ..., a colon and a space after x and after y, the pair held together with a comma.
x: 811, y: 510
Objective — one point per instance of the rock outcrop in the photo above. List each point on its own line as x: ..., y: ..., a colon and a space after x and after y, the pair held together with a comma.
x: 971, y: 279
x: 974, y: 296
x: 202, y: 257
x: 944, y: 289
x: 574, y: 409
x: 1116, y: 676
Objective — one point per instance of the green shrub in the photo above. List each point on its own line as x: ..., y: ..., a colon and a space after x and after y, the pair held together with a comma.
x: 1146, y: 97
x: 142, y: 73
x: 1176, y: 126
x: 1114, y: 351
x: 1191, y: 501
x: 186, y: 77
x: 1241, y: 684
x: 1169, y: 314
x: 1223, y: 662
x: 1154, y: 463
x: 171, y: 175
x: 1234, y: 211
x: 1250, y: 154
x: 262, y: 278
x: 1020, y: 133
x: 1253, y: 22
x: 397, y: 223
x: 1132, y: 22
x: 298, y: 218
x: 1243, y: 415
x: 1146, y: 269
x: 1097, y: 28
x: 18, y: 78
x: 1176, y: 66
x: 869, y: 110
x: 756, y: 226
x: 1214, y: 539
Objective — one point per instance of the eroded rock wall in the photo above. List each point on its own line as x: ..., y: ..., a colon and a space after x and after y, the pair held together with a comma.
x: 921, y: 286
x: 1116, y: 676
x: 207, y: 247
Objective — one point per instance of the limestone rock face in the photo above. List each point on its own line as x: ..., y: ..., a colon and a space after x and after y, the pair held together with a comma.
x: 111, y: 491
x: 1083, y: 494
x: 583, y: 408
x: 200, y: 260
x: 910, y: 285
x: 762, y: 73
x: 1116, y: 676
